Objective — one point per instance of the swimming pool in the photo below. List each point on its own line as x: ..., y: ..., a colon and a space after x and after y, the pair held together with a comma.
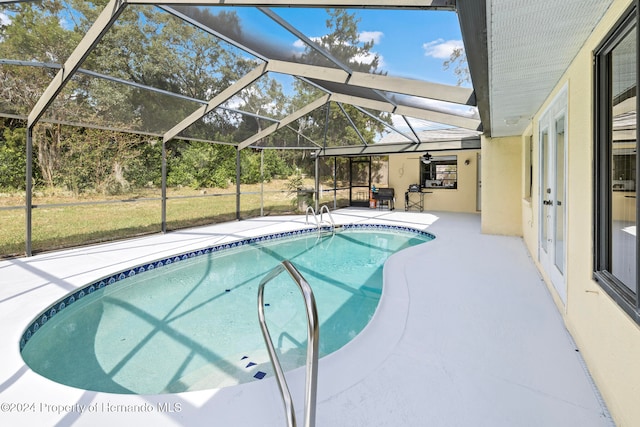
x: 190, y: 321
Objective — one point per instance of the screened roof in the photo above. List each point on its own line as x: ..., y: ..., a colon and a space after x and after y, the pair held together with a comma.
x: 230, y: 71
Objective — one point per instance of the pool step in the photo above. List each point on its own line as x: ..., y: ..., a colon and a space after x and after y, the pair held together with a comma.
x: 240, y: 369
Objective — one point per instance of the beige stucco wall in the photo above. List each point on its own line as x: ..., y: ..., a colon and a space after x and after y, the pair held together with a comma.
x: 607, y: 338
x: 502, y: 185
x: 404, y: 170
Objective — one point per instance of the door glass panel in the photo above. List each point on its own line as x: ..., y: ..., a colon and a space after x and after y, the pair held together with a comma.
x: 623, y: 161
x: 544, y: 195
x: 360, y: 173
x: 360, y: 182
x: 559, y: 196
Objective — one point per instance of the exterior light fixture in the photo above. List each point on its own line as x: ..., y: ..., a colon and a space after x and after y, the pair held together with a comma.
x: 426, y: 158
x: 512, y: 120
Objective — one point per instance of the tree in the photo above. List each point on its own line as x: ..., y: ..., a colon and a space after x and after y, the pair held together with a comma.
x: 344, y: 44
x: 12, y: 149
x: 202, y: 165
x: 458, y: 61
x: 107, y: 162
x: 35, y: 33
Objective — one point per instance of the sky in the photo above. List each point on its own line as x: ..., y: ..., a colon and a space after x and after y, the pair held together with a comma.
x: 411, y: 44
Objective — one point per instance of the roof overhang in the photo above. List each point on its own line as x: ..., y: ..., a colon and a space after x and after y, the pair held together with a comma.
x: 518, y: 50
x: 472, y: 143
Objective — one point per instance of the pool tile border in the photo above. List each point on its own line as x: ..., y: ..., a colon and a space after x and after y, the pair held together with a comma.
x: 88, y: 289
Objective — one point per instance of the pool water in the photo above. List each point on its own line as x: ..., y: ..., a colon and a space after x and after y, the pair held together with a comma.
x: 194, y: 324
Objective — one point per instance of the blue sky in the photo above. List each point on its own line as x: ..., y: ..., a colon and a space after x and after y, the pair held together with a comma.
x: 411, y: 43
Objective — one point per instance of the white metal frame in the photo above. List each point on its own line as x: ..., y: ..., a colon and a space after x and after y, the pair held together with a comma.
x: 557, y: 109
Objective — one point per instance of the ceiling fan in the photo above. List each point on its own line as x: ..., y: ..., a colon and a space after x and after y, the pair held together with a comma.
x: 426, y: 158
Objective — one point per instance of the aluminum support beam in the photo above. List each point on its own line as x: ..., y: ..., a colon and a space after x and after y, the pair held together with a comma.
x: 163, y: 203
x: 412, y: 138
x: 363, y: 102
x: 455, y: 94
x: 104, y: 21
x: 238, y: 186
x: 308, y: 71
x: 29, y: 192
x: 440, y: 92
x: 319, y: 49
x: 353, y: 125
x: 438, y: 117
x: 223, y: 96
x: 369, y: 4
x: 285, y: 121
x: 383, y: 149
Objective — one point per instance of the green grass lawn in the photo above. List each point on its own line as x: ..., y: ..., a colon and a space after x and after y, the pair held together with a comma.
x: 55, y: 227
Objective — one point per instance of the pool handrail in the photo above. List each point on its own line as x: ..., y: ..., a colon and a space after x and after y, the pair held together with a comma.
x: 332, y: 224
x: 313, y: 335
x: 321, y: 221
x: 313, y: 214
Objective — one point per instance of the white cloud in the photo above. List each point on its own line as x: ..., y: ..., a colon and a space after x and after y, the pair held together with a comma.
x: 368, y: 59
x: 4, y: 19
x: 364, y: 37
x: 441, y: 49
x: 299, y: 44
x: 367, y: 36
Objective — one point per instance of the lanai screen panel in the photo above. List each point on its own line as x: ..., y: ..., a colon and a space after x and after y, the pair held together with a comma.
x: 397, y: 130
x: 257, y: 30
x: 36, y: 37
x: 354, y: 127
x: 178, y: 57
x: 420, y: 125
x: 92, y: 101
x: 21, y: 86
x: 281, y: 97
x: 155, y: 69
x: 304, y: 134
x: 288, y: 137
x: 225, y: 125
x: 149, y: 46
x: 274, y: 95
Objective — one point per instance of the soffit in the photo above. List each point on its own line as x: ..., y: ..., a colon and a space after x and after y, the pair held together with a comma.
x: 530, y: 45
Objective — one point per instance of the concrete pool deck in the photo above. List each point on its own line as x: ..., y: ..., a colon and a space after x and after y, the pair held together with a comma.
x: 466, y: 334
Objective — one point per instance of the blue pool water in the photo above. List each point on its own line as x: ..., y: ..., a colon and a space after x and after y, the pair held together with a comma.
x: 193, y: 324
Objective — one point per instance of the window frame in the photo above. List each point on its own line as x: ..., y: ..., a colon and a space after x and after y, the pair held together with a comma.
x: 451, y: 160
x: 602, y: 185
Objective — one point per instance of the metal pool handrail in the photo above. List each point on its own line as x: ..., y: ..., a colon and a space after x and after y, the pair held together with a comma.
x: 313, y: 214
x: 323, y: 209
x: 313, y: 333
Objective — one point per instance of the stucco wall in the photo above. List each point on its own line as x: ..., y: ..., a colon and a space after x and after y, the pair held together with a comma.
x: 502, y: 185
x: 404, y: 170
x: 607, y: 338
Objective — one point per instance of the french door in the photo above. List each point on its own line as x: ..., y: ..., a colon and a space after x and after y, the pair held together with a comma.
x: 552, y: 194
